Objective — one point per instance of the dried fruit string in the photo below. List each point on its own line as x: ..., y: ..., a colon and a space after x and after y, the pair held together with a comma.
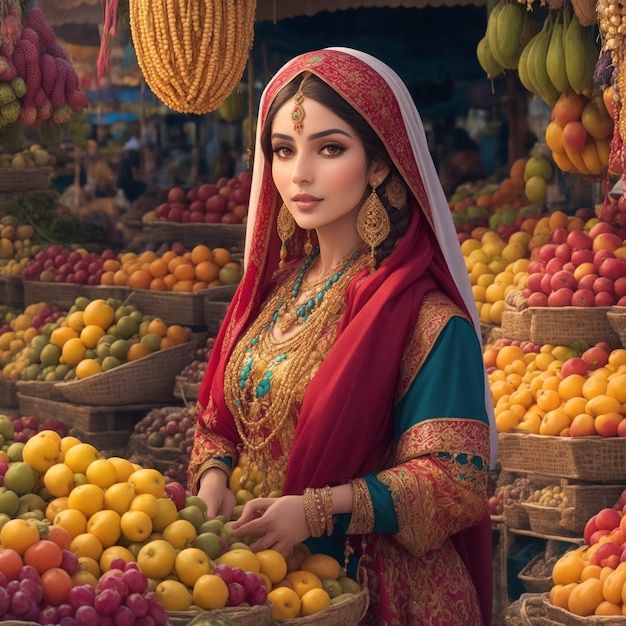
x: 109, y: 30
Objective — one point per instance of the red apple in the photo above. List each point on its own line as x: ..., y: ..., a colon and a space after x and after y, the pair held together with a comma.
x: 600, y: 227
x: 620, y: 287
x: 176, y: 194
x: 192, y: 195
x: 546, y: 252
x: 534, y: 282
x: 245, y: 178
x: 563, y: 251
x: 604, y: 298
x: 216, y: 204
x: 554, y: 265
x: 545, y: 284
x: 231, y: 218
x: 240, y: 196
x: 534, y: 267
x: 590, y: 528
x: 595, y: 357
x: 602, y: 255
x: 197, y: 216
x: 613, y: 268
x: 178, y: 247
x: 621, y: 432
x: 583, y: 297
x: 595, y: 537
x: 197, y: 205
x: 574, y: 365
x: 561, y: 297
x: 609, y: 519
x: 622, y: 301
x: 538, y: 298
x: 563, y: 278
x: 212, y: 218
x: 578, y: 239
x: 602, y: 283
x: 581, y: 255
x: 206, y: 191
x: 222, y: 182
x: 558, y: 236
x: 162, y: 210
x: 607, y: 241
x: 177, y: 493
x: 175, y: 214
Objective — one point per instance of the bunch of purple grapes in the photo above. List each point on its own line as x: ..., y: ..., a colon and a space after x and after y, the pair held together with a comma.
x: 243, y: 587
x: 121, y: 599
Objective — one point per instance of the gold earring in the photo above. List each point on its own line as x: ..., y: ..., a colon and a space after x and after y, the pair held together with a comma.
x: 308, y: 245
x: 373, y: 224
x: 286, y: 227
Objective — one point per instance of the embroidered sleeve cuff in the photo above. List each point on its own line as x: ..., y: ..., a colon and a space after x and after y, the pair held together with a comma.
x: 362, y: 520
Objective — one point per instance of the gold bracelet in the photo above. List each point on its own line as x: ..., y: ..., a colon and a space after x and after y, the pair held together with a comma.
x: 319, y: 508
x: 327, y: 502
x: 310, y: 511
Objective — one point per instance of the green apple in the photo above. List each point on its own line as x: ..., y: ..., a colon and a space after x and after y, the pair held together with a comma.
x: 9, y: 502
x: 32, y: 502
x: 196, y: 501
x: 6, y: 427
x: 14, y: 451
x: 211, y: 526
x: 193, y: 514
x: 209, y: 543
x: 341, y: 597
x: 20, y: 477
x: 349, y: 585
x: 332, y: 587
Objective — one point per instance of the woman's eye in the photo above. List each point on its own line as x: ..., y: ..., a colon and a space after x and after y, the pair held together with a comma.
x: 333, y: 149
x: 281, y: 151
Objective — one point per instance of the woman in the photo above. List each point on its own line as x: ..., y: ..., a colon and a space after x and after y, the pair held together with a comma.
x: 348, y: 373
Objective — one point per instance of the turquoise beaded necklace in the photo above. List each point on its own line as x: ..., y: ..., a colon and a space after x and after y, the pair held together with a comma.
x: 286, y: 319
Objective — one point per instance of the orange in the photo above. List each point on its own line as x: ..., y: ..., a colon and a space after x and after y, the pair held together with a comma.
x: 137, y: 351
x: 184, y: 271
x: 101, y: 472
x: 158, y: 327
x: 169, y: 281
x: 136, y: 525
x: 67, y: 442
x: 166, y: 342
x: 507, y: 355
x: 177, y: 334
x: 207, y: 271
x: 199, y: 285
x: 303, y: 580
x: 10, y: 563
x: 61, y: 335
x: 210, y: 592
x: 200, y: 253
x: 43, y: 555
x: 99, y: 312
x: 107, y: 278
x: 548, y: 400
x: 79, y: 456
x: 75, y: 321
x: 114, y: 552
x: 140, y: 279
x: 585, y: 597
x: 616, y: 387
x: 59, y: 479
x: 559, y: 594
x: 221, y: 256
x: 602, y: 404
x: 59, y: 535
x: 185, y: 286
x: 571, y: 386
x: 120, y: 278
x: 244, y: 559
x: 91, y: 334
x: 86, y: 563
x: 158, y: 284
x: 273, y: 564
x: 158, y: 268
x: 87, y: 367
x: 568, y: 569
x: 56, y: 584
x: 73, y: 351
x: 557, y: 219
x: 105, y: 526
x: 168, y: 255
x: 123, y: 467
x: 87, y: 498
x: 18, y: 534
x: 617, y: 357
x: 55, y: 506
x: 314, y: 601
x: 87, y: 544
x: 285, y: 603
x: 111, y: 265
x: 147, y: 256
x: 173, y: 595
x: 156, y: 558
x: 83, y: 577
x: 175, y: 262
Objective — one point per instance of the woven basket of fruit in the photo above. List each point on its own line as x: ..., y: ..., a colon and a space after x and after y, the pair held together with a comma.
x: 12, y: 291
x: 26, y: 179
x: 537, y: 573
x: 564, y: 325
x: 229, y: 236
x: 545, y: 520
x: 259, y: 615
x: 582, y: 501
x: 8, y: 393
x: 516, y: 324
x: 186, y: 391
x: 61, y: 294
x: 617, y: 320
x: 564, y: 617
x: 595, y: 458
x: 527, y: 610
x: 148, y: 379
x: 348, y: 612
x: 515, y: 516
x: 40, y: 389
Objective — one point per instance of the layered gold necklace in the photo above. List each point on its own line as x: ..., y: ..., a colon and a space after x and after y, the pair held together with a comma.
x: 266, y: 377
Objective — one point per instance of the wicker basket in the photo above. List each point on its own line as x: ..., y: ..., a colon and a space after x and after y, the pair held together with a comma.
x: 229, y: 236
x: 150, y: 456
x: 527, y: 610
x: 563, y: 325
x: 12, y: 291
x: 515, y: 516
x: 238, y: 616
x: 349, y: 612
x: 583, y: 501
x: 599, y: 459
x: 149, y: 379
x: 8, y: 394
x: 61, y: 294
x: 27, y: 179
x: 40, y: 389
x: 103, y: 292
x: 516, y: 324
x: 617, y: 320
x: 545, y: 520
x: 561, y: 616
x: 532, y: 583
x: 186, y: 391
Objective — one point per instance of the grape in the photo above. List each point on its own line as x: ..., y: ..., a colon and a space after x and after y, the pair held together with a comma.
x: 28, y: 571
x: 86, y: 616
x: 32, y: 613
x: 20, y: 602
x: 138, y: 604
x: 118, y: 563
x: 130, y: 565
x: 238, y: 575
x: 107, y: 620
x: 236, y: 594
x: 145, y: 620
x: 123, y: 616
x: 224, y: 572
x: 65, y: 610
x: 5, y: 601
x: 258, y: 596
x: 115, y: 583
x: 69, y: 561
x: 107, y: 600
x: 136, y: 581
x: 69, y: 621
x: 158, y: 614
x: 250, y: 582
x: 82, y: 595
x: 48, y: 616
x: 33, y: 589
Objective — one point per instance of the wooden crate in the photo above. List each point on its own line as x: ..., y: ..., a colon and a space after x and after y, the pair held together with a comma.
x: 8, y: 394
x: 12, y: 291
x: 229, y: 236
x: 88, y: 419
x: 112, y: 440
x: 61, y: 294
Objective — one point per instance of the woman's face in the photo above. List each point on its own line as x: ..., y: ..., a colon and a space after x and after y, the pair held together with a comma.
x: 322, y: 173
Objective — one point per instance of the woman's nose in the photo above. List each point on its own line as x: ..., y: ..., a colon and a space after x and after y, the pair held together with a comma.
x: 301, y: 170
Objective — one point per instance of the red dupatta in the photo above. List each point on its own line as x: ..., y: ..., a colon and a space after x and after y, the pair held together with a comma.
x: 346, y: 419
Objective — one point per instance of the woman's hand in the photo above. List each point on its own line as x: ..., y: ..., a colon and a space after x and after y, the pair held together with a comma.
x: 220, y: 500
x: 278, y: 523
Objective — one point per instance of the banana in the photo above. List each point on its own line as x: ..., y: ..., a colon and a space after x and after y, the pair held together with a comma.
x: 509, y: 32
x: 537, y: 65
x: 576, y: 49
x: 491, y: 32
x: 603, y: 148
x: 555, y: 58
x: 577, y: 161
x: 522, y: 68
x: 486, y: 60
x: 563, y: 162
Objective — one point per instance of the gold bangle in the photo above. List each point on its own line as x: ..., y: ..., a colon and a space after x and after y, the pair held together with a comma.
x: 326, y: 497
x: 310, y: 511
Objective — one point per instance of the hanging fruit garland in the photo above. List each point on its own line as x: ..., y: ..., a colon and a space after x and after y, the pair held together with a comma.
x: 39, y: 87
x: 192, y: 53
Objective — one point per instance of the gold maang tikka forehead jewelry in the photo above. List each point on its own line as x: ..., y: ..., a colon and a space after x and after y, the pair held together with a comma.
x: 297, y: 113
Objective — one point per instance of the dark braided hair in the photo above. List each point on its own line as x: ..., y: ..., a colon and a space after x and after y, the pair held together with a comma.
x: 318, y: 90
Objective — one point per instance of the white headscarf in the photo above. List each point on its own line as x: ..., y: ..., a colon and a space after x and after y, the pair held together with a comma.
x: 443, y: 225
